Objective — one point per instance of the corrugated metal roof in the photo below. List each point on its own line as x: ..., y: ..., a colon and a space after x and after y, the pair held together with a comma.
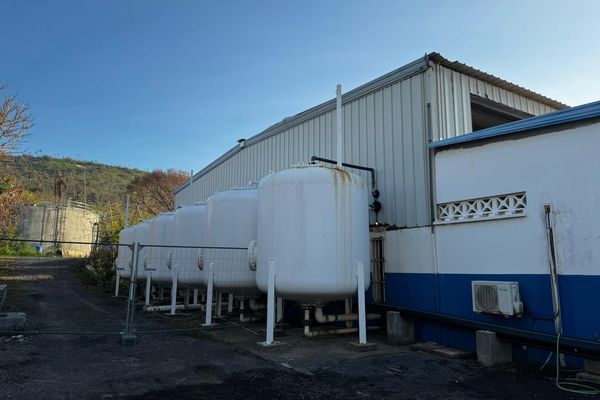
x: 569, y: 115
x: 494, y: 80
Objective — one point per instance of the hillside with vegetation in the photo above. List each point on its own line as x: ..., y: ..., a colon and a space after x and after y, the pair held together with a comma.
x: 38, y: 175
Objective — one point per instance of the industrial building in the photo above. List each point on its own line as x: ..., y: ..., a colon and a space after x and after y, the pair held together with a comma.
x: 486, y: 188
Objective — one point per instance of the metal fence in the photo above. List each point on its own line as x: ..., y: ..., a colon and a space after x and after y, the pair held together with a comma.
x: 179, y: 269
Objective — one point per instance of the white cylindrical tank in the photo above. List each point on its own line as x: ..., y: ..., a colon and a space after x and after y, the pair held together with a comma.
x: 160, y: 233
x: 190, y: 224
x: 230, y: 222
x: 141, y: 235
x: 314, y: 222
x: 124, y: 252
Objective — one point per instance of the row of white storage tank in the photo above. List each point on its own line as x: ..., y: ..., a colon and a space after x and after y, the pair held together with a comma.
x: 310, y: 223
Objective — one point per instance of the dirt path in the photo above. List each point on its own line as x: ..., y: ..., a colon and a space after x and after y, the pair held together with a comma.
x: 183, y: 366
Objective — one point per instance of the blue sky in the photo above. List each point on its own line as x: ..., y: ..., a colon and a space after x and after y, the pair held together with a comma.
x: 173, y: 84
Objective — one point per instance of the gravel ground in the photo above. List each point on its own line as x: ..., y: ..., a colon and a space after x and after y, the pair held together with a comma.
x: 221, y: 363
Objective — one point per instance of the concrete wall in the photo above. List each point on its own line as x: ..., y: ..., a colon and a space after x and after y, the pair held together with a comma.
x: 60, y: 223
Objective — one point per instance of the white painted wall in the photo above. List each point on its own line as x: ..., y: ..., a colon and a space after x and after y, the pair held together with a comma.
x: 408, y: 250
x: 560, y: 168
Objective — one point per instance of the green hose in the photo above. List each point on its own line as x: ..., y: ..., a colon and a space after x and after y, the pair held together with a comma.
x: 573, y: 385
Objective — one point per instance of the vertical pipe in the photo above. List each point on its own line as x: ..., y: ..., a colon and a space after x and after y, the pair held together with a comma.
x: 195, y: 297
x: 186, y: 300
x: 553, y: 269
x: 219, y: 303
x: 348, y: 310
x: 279, y: 317
x: 230, y: 303
x: 161, y: 293
x: 362, y: 320
x: 338, y: 124
x: 191, y: 196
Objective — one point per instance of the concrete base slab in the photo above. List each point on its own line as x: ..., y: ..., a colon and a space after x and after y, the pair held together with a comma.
x: 491, y: 350
x: 12, y: 321
x: 443, y: 351
x: 269, y: 345
x: 128, y: 340
x: 592, y: 366
x: 362, y: 347
x: 588, y: 376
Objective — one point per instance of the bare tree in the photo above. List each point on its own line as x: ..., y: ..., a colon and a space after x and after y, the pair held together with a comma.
x: 15, y: 121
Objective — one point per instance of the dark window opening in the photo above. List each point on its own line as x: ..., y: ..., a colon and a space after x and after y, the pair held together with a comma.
x: 486, y: 113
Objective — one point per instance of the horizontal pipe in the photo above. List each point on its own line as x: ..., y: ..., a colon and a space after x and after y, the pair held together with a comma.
x: 326, y: 332
x: 177, y: 307
x: 547, y: 341
x: 323, y: 318
x: 371, y: 170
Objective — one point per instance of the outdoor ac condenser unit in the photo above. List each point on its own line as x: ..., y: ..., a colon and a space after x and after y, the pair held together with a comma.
x: 495, y: 297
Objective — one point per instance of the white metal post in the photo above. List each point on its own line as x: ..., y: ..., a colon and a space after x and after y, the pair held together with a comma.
x: 195, y: 302
x: 117, y: 278
x: 270, y: 304
x: 148, y: 289
x: 362, y: 320
x: 209, y: 296
x: 174, y: 292
x: 128, y: 336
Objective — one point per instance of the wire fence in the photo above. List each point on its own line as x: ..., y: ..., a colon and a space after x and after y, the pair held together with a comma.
x: 170, y: 277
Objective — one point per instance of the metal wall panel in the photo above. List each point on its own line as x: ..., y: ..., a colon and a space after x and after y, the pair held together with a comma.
x: 452, y: 105
x: 383, y: 129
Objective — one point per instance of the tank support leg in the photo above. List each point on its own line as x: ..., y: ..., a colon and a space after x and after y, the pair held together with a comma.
x: 219, y: 302
x: 174, y: 294
x: 348, y: 310
x: 362, y: 317
x: 186, y: 299
x: 195, y: 301
x: 161, y: 293
x: 230, y: 303
x: 270, y: 305
x: 117, y: 284
x: 279, y: 317
x: 148, y: 289
x: 209, y: 298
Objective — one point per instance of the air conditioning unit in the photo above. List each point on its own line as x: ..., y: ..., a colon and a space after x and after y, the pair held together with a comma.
x: 495, y: 297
